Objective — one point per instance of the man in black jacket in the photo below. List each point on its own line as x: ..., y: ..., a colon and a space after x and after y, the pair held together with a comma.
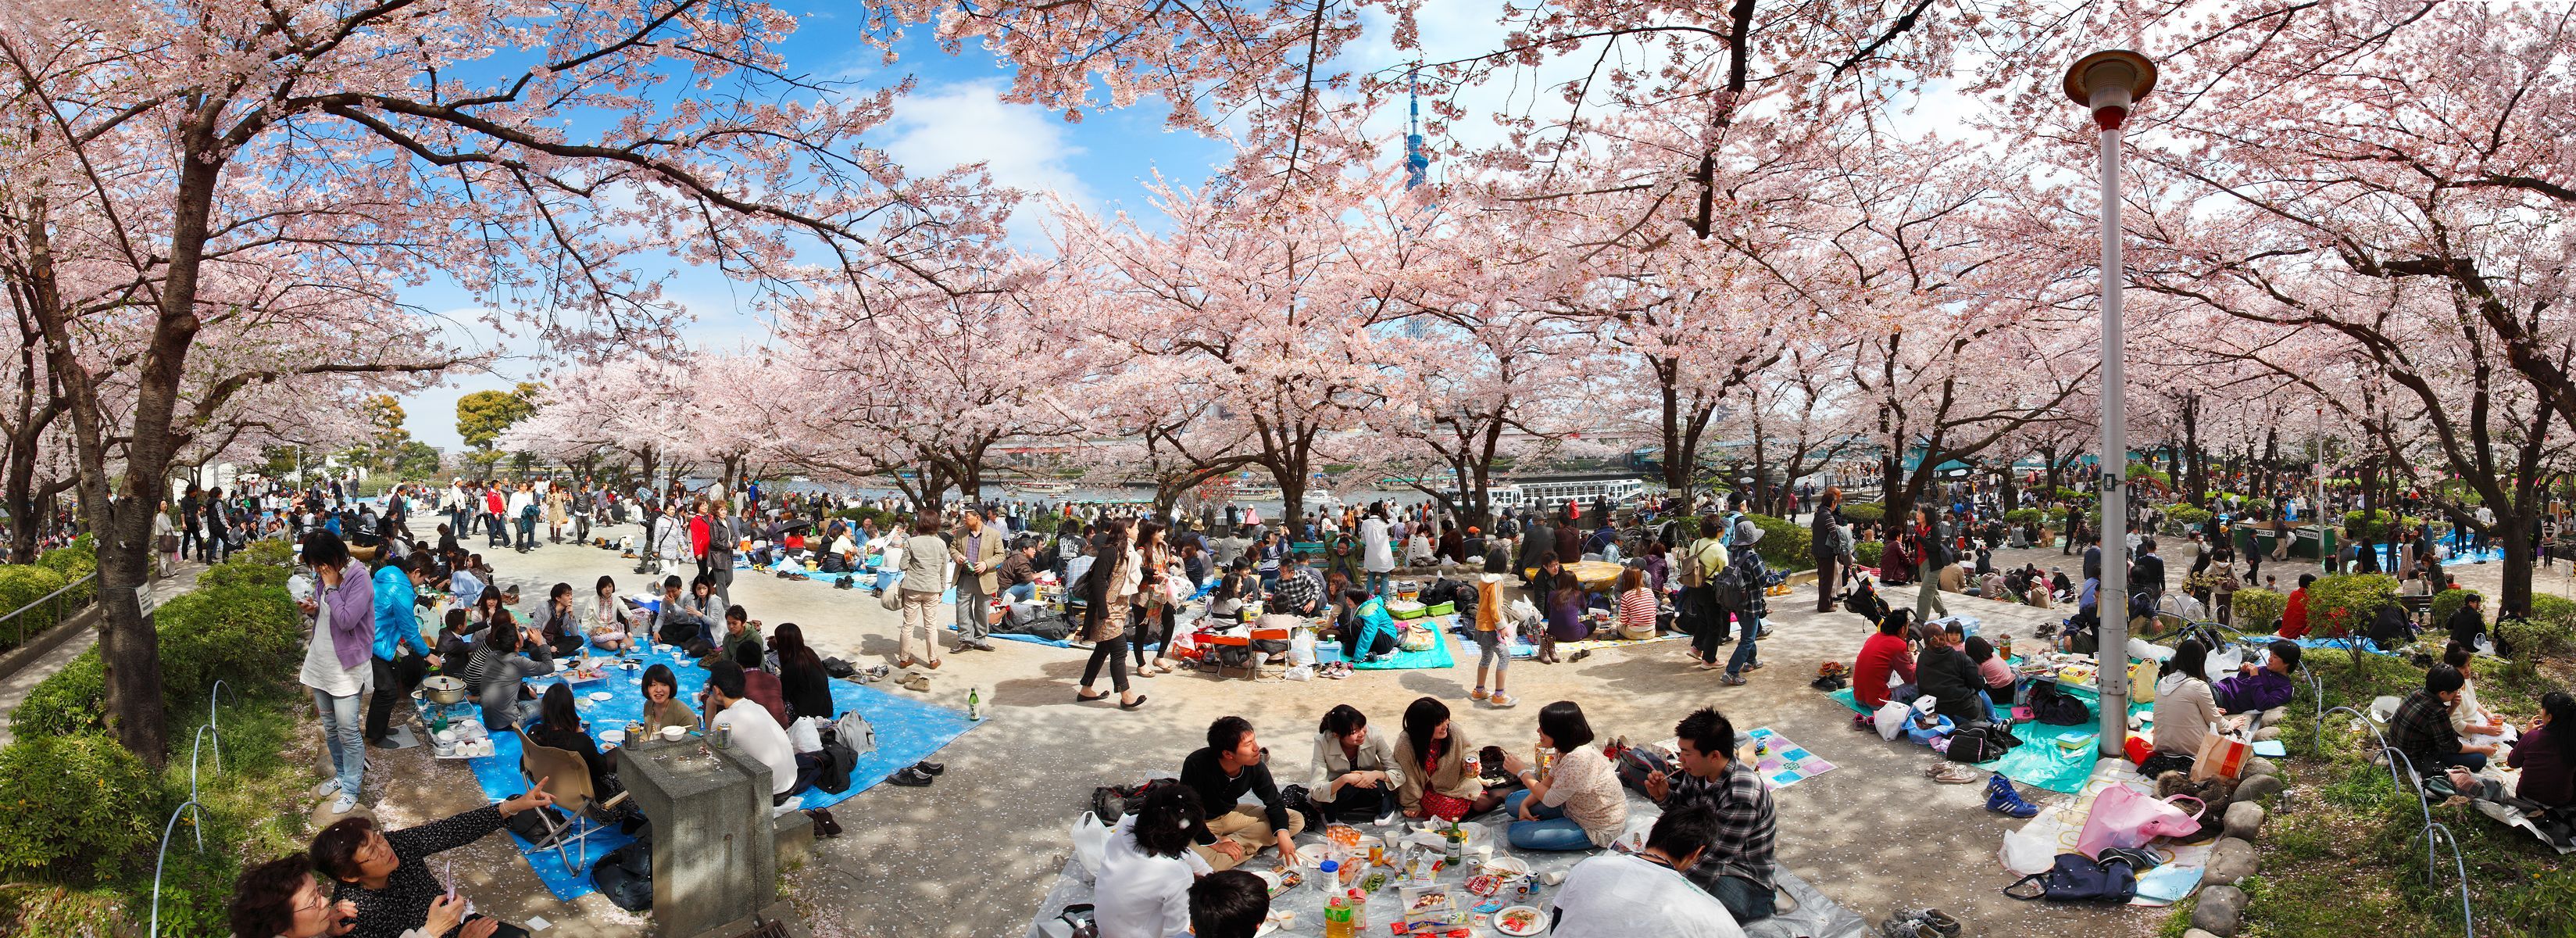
x: 1234, y: 763
x: 1824, y: 543
x: 2467, y: 624
x: 1944, y: 672
x: 2147, y: 573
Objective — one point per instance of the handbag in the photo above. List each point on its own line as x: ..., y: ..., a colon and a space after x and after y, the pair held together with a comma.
x: 2075, y: 877
x: 2220, y: 757
x: 1891, y: 719
x: 2122, y: 817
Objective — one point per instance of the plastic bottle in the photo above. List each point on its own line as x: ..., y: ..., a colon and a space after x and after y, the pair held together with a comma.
x: 1330, y: 871
x: 1359, y: 912
x: 1337, y: 920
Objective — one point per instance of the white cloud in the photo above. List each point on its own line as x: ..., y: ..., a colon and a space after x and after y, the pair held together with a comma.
x: 1023, y: 147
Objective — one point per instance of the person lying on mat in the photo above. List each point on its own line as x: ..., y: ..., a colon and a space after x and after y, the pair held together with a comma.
x: 383, y: 877
x: 1647, y: 895
x: 1737, y: 864
x: 1578, y: 804
x: 2260, y: 688
x: 283, y: 898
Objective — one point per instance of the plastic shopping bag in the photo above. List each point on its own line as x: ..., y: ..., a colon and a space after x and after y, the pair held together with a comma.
x: 1301, y: 648
x: 1090, y: 842
x: 1892, y: 717
x: 2124, y: 818
x: 2027, y: 854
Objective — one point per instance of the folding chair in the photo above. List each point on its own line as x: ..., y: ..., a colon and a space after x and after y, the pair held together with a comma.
x: 567, y: 778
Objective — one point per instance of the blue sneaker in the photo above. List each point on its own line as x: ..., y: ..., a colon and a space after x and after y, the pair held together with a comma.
x: 2002, y: 798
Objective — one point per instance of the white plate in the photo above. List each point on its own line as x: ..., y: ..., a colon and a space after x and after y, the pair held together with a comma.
x: 601, y: 695
x: 1538, y: 921
x: 612, y: 737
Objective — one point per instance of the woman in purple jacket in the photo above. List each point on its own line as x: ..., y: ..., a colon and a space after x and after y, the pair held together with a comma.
x: 2254, y: 689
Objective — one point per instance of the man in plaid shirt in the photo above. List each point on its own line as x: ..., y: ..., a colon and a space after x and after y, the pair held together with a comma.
x: 1736, y: 867
x: 1300, y: 592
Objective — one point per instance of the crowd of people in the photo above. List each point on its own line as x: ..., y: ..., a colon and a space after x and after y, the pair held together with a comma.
x: 1704, y: 870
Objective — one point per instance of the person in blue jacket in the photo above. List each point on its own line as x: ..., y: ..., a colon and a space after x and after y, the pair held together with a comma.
x: 397, y: 627
x: 1366, y: 630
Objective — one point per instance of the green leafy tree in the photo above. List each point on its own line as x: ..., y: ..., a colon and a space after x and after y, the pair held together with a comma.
x: 416, y: 460
x: 386, y: 435
x: 483, y: 415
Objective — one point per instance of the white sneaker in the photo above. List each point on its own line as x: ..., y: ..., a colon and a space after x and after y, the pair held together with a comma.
x: 344, y: 804
x: 1388, y: 819
x: 325, y: 787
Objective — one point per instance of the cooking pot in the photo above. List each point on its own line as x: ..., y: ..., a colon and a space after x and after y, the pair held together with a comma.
x: 444, y: 690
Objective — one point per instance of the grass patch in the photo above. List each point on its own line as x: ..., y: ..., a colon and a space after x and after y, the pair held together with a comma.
x: 2342, y: 855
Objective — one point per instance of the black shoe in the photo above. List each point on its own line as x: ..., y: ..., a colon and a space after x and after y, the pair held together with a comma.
x: 911, y: 778
x: 930, y: 768
x: 385, y: 743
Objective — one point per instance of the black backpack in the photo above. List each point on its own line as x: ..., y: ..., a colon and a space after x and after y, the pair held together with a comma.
x: 2078, y: 878
x: 1974, y: 745
x: 2051, y: 705
x: 625, y: 876
x: 834, y: 775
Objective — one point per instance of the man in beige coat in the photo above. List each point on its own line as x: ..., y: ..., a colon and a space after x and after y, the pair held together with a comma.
x: 978, y: 551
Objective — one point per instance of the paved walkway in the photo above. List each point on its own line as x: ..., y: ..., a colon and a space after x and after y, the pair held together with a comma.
x: 15, y: 687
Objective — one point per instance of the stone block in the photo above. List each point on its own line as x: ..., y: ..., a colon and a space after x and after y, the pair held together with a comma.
x: 715, y: 856
x: 2261, y: 766
x: 2230, y: 861
x: 2268, y: 732
x: 2258, y: 788
x: 2243, y: 819
x: 795, y: 839
x: 2275, y: 715
x: 2219, y: 911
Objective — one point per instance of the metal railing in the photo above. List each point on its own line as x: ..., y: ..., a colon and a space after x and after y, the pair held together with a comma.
x: 196, y: 812
x: 15, y: 621
x: 2403, y: 777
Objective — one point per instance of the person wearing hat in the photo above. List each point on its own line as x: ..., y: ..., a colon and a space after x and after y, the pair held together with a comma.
x: 1739, y: 591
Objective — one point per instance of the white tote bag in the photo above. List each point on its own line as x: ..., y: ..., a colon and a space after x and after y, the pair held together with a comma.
x: 1891, y: 719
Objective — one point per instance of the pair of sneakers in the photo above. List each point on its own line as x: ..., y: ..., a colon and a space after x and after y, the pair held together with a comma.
x: 1920, y: 923
x: 918, y: 774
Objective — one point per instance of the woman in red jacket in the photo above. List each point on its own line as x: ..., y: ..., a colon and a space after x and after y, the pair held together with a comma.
x: 1884, y: 653
x: 698, y: 534
x: 2294, y: 617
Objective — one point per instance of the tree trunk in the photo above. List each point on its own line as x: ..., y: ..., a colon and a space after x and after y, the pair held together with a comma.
x: 2513, y: 530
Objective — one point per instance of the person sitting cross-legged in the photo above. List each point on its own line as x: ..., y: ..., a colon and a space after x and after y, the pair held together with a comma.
x: 1578, y: 805
x: 1228, y: 904
x: 1737, y: 865
x: 1232, y: 765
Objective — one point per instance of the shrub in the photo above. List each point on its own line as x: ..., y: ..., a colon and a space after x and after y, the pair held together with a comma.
x: 1867, y: 553
x: 2187, y: 514
x: 2344, y: 602
x: 2073, y: 496
x: 2258, y: 608
x: 275, y: 552
x: 83, y: 805
x: 2386, y: 525
x: 75, y: 561
x: 2448, y: 602
x: 226, y: 632
x: 72, y: 700
x: 2531, y: 640
x: 2548, y: 608
x: 244, y: 573
x: 2021, y: 516
x: 1784, y: 543
x: 21, y: 584
x: 1865, y: 512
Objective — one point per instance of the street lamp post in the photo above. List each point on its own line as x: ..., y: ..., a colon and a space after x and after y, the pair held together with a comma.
x: 2107, y: 83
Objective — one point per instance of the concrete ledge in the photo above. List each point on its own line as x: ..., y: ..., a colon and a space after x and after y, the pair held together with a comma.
x: 18, y: 658
x: 795, y: 839
x: 779, y: 914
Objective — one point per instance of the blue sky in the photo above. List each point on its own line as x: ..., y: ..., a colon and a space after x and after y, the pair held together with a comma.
x: 954, y: 116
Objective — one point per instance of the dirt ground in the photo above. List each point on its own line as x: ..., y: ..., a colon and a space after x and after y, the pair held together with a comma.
x: 973, y: 854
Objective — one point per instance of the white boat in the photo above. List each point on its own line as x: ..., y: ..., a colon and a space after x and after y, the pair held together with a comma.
x: 1258, y: 492
x: 1547, y: 496
x: 1044, y: 487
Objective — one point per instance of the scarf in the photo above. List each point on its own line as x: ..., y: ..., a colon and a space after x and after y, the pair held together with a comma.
x: 353, y: 615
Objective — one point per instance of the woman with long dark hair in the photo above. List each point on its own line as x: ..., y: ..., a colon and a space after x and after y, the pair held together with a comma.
x: 339, y: 667
x: 1151, y: 613
x: 1146, y: 871
x: 558, y: 726
x: 608, y: 621
x: 1435, y: 755
x: 800, y: 674
x: 1106, y: 590
x: 2185, y: 708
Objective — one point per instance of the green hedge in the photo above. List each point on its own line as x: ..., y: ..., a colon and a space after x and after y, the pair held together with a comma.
x: 2186, y: 514
x: 2447, y: 602
x: 71, y: 700
x: 1865, y: 512
x: 80, y: 806
x: 2022, y: 516
x: 2346, y: 601
x: 75, y: 561
x: 21, y: 584
x: 225, y: 632
x: 2388, y: 525
x: 244, y: 573
x: 1784, y: 543
x: 2257, y: 609
x: 1867, y: 553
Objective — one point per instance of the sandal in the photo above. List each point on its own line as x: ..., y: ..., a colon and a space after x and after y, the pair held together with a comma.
x: 1952, y: 773
x: 1140, y: 701
x: 1079, y: 697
